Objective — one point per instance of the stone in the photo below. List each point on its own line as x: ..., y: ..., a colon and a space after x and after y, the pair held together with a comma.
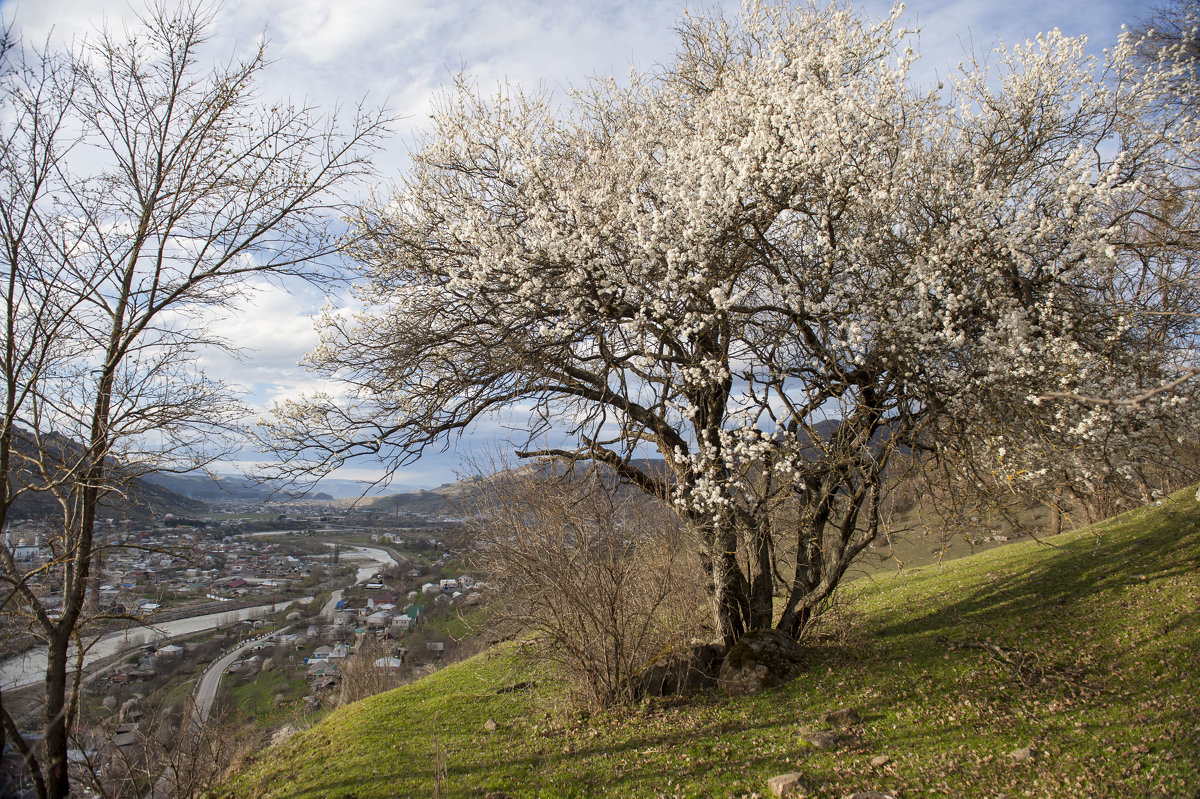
x: 695, y: 669
x: 880, y: 761
x: 490, y: 725
x: 844, y: 717
x: 822, y: 739
x: 790, y: 784
x: 761, y: 659
x: 1024, y: 754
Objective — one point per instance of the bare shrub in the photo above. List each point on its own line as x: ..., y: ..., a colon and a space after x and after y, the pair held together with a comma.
x: 360, y: 677
x: 598, y: 574
x: 175, y: 755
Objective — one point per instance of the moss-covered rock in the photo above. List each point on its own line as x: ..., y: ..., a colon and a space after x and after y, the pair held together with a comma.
x: 761, y: 659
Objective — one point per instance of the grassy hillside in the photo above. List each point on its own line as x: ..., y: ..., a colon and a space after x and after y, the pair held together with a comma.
x: 1085, y: 648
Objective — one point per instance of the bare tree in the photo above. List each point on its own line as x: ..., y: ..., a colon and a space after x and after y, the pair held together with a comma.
x: 143, y: 191
x: 174, y: 755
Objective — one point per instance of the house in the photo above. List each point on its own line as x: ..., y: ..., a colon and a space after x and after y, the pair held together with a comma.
x: 326, y: 682
x: 126, y: 734
x: 403, y: 622
x: 322, y: 668
x: 430, y: 588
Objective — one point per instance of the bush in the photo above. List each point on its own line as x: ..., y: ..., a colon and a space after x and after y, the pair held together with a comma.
x: 598, y: 574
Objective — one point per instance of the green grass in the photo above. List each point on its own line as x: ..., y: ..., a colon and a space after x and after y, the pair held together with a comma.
x: 253, y: 703
x: 1085, y: 647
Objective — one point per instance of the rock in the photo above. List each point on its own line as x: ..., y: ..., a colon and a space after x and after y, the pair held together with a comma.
x: 786, y: 784
x: 1024, y: 754
x: 490, y: 725
x: 760, y: 659
x: 683, y: 673
x: 822, y: 739
x: 843, y: 717
x: 880, y: 761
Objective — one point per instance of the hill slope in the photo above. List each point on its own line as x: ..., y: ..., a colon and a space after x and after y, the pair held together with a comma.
x: 1085, y: 648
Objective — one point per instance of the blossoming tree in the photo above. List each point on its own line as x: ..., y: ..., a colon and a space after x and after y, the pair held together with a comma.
x: 777, y: 263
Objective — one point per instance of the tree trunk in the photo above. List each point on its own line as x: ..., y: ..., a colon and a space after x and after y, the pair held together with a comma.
x: 762, y: 578
x: 57, y: 734
x: 1056, y: 517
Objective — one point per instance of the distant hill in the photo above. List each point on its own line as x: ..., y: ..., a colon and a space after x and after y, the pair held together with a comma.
x: 205, y: 487
x: 227, y: 487
x: 459, y: 496
x: 143, y: 499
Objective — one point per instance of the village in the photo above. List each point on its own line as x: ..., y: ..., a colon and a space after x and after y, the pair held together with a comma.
x: 320, y: 602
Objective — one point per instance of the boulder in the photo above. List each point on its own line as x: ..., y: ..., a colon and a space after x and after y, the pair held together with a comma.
x: 760, y: 659
x: 697, y: 668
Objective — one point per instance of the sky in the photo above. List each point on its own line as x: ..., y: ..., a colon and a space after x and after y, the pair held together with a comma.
x: 401, y: 53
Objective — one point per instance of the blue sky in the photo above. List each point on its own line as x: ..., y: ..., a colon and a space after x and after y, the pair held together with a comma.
x: 401, y: 52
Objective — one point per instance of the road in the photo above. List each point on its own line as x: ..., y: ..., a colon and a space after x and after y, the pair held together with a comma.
x: 379, y: 558
x: 30, y: 667
x: 331, y: 605
x: 206, y: 690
